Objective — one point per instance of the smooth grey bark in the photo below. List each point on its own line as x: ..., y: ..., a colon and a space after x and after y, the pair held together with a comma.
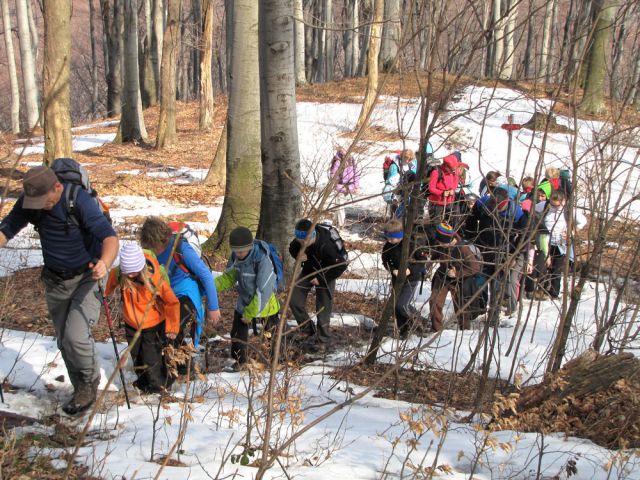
x: 196, y: 47
x: 11, y: 64
x: 552, y: 42
x: 618, y: 52
x: 371, y: 94
x: 205, y: 114
x: 528, y: 50
x: 244, y: 171
x: 299, y: 28
x: 132, y: 128
x: 27, y: 62
x: 329, y: 44
x: 158, y: 38
x: 113, y: 28
x: 55, y: 79
x: 509, y: 46
x: 33, y: 32
x: 367, y: 13
x: 278, y: 120
x: 148, y: 83
x: 390, y: 34
x: 497, y: 60
x: 94, y: 60
x: 167, y: 135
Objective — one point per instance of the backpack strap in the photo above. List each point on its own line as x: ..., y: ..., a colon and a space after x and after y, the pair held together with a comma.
x: 71, y: 199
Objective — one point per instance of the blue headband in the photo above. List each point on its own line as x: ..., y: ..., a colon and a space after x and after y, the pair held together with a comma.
x: 399, y: 234
x: 302, y: 234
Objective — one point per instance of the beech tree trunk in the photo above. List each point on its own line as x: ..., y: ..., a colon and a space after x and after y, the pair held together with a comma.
x: 593, y: 98
x: 56, y: 74
x: 13, y: 73
x: 372, y: 64
x: 497, y: 60
x: 27, y: 62
x: 148, y: 86
x: 509, y: 47
x: 350, y: 39
x: 244, y: 173
x: 205, y: 121
x: 217, y: 174
x: 33, y: 32
x: 132, y: 128
x: 158, y: 37
x: 299, y: 27
x: 280, y: 154
x: 390, y: 34
x: 94, y: 60
x: 167, y: 122
x: 113, y: 26
x: 329, y: 44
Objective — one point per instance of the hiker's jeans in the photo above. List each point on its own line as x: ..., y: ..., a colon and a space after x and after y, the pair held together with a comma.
x: 324, y: 305
x: 74, y: 306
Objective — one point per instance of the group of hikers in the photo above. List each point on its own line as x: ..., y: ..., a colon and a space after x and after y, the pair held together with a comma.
x: 166, y: 289
x: 483, y: 245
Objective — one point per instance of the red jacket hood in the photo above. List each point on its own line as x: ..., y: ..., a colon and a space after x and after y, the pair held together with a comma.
x: 450, y: 161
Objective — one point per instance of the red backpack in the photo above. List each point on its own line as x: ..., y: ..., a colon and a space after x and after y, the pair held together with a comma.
x: 386, y: 166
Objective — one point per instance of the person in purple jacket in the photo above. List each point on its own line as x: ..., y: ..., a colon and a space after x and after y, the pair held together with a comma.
x: 347, y: 181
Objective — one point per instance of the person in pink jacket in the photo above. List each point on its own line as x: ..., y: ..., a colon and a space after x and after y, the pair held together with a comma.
x: 347, y: 183
x: 443, y: 183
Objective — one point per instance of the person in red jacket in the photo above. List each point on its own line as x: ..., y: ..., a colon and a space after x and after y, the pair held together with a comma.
x: 443, y: 184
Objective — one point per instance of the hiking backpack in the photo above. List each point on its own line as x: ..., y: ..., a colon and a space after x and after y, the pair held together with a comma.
x: 386, y: 166
x: 76, y: 176
x: 278, y: 266
x: 337, y: 239
x: 185, y: 233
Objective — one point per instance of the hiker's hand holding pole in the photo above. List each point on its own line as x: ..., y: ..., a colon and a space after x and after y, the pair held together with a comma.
x: 99, y: 267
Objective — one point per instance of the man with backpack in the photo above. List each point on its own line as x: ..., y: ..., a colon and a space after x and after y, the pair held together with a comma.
x: 78, y: 248
x: 189, y: 276
x: 252, y: 269
x: 324, y: 259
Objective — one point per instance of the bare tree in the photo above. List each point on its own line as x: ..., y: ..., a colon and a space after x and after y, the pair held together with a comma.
x: 94, y: 60
x: 11, y: 64
x: 298, y: 13
x: 113, y: 46
x: 350, y: 39
x: 167, y: 121
x: 27, y: 62
x: 372, y: 64
x: 390, y: 34
x: 205, y: 121
x: 244, y: 172
x: 57, y: 68
x: 132, y: 126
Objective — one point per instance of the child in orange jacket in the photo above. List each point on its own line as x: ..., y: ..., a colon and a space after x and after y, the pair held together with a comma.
x: 148, y: 303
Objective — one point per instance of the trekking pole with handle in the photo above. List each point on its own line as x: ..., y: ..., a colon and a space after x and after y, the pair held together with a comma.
x: 115, y: 345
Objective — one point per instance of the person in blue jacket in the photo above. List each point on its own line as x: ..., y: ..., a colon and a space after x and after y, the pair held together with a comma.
x: 189, y: 276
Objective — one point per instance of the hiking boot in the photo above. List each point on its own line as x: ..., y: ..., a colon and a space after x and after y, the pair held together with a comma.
x: 83, y: 397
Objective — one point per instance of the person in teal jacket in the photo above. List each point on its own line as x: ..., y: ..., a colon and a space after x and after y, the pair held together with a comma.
x: 189, y: 276
x: 251, y: 271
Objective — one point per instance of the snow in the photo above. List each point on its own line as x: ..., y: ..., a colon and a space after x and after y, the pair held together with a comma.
x: 80, y: 143
x: 359, y: 440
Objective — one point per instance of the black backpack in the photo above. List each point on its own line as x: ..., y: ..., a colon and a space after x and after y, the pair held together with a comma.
x: 337, y: 240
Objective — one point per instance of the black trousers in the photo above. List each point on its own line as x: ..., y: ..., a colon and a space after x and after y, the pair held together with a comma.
x: 240, y: 335
x: 188, y: 321
x: 553, y: 278
x: 324, y: 305
x: 146, y: 353
x: 404, y: 309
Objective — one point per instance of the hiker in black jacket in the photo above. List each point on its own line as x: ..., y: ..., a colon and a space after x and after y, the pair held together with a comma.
x: 323, y: 261
x: 405, y: 312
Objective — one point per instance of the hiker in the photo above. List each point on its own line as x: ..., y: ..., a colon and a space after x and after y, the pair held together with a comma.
x: 459, y: 273
x: 324, y: 259
x: 394, y: 170
x: 526, y: 194
x: 488, y: 183
x: 443, y: 185
x: 347, y: 184
x: 77, y: 254
x: 405, y: 313
x: 498, y: 226
x: 251, y: 270
x: 148, y: 304
x: 189, y: 277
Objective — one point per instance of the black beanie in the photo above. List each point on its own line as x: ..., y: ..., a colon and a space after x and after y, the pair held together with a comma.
x: 240, y: 239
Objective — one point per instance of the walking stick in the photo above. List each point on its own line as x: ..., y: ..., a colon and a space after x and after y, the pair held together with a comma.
x: 115, y: 346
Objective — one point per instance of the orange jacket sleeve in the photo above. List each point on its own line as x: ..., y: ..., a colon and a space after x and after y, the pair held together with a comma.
x: 171, y: 308
x: 112, y: 282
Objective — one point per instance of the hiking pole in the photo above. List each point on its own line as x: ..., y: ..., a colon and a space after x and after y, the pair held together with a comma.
x: 115, y: 345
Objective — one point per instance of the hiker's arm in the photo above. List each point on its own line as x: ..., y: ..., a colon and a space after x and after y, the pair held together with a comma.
x: 198, y: 268
x: 433, y: 183
x: 109, y: 254
x: 227, y: 280
x: 13, y: 223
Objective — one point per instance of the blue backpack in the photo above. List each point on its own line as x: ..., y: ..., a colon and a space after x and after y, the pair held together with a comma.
x: 278, y: 267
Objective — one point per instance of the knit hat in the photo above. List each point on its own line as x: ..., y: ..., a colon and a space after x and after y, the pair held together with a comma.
x: 444, y: 233
x: 131, y: 258
x: 302, y: 228
x: 240, y: 239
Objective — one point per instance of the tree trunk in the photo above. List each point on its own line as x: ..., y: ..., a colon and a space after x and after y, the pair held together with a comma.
x: 114, y: 32
x: 552, y: 41
x: 634, y: 91
x: 320, y: 34
x: 528, y: 57
x: 205, y: 121
x: 350, y: 39
x: 329, y: 48
x: 56, y: 73
x: 167, y: 121
x: 158, y: 35
x: 27, y: 62
x: 593, y: 98
x: 196, y: 47
x: 244, y: 173
x: 147, y: 77
x: 390, y: 34
x: 132, y: 128
x: 618, y: 52
x: 372, y: 65
x: 33, y: 32
x: 217, y: 174
x: 94, y: 61
x: 497, y: 60
x: 309, y: 50
x: 543, y: 68
x: 565, y: 50
x: 280, y: 154
x: 13, y: 73
x: 509, y: 47
x: 299, y: 27
x: 581, y: 31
